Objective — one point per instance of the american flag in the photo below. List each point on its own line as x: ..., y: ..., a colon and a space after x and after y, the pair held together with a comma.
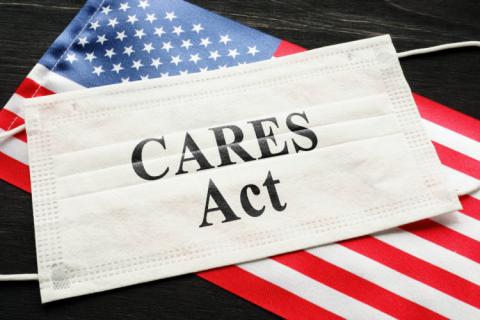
x: 425, y: 270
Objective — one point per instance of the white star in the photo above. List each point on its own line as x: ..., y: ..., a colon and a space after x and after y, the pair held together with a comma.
x: 197, y: 28
x: 177, y: 30
x: 127, y: 79
x: 83, y: 41
x: 90, y: 56
x: 71, y: 57
x: 117, y: 67
x: 145, y: 77
x: 98, y: 70
x: 204, y: 69
x: 101, y: 39
x: 137, y: 64
x: 143, y: 4
x: 222, y: 67
x: 164, y: 75
x: 214, y: 55
x: 106, y: 10
x: 194, y: 58
x: 112, y: 22
x: 94, y: 25
x: 205, y: 42
x: 176, y: 60
x: 110, y: 53
x: 186, y: 44
x: 148, y: 47
x: 132, y: 19
x: 159, y: 32
x: 128, y: 50
x: 184, y: 72
x: 253, y: 50
x: 155, y: 63
x: 150, y: 17
x: 225, y: 39
x: 167, y: 46
x: 121, y: 35
x: 233, y: 53
x: 124, y: 6
x: 139, y: 33
x: 170, y: 15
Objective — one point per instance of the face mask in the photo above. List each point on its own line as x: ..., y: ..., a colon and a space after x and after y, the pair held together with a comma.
x: 148, y: 180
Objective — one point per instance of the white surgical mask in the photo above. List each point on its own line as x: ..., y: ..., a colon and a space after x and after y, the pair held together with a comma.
x: 148, y: 180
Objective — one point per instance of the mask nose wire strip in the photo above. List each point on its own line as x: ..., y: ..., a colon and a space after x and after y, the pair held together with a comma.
x: 9, y: 133
x: 12, y: 132
x: 19, y: 277
x: 439, y: 48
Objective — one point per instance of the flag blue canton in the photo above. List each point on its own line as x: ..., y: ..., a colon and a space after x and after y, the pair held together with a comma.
x: 117, y: 41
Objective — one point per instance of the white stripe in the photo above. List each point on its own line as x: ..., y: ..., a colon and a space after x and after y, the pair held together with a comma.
x: 15, y: 104
x: 14, y: 148
x: 453, y: 140
x: 396, y: 282
x: 461, y: 223
x: 312, y: 291
x: 52, y: 81
x: 432, y: 253
x: 461, y: 182
x: 476, y: 195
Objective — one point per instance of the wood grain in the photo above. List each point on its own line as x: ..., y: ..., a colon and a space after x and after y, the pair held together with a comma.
x: 27, y: 27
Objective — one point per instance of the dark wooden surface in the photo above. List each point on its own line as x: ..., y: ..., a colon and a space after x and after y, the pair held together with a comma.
x: 27, y: 27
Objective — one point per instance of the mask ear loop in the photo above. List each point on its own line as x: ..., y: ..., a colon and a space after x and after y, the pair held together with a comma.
x: 19, y: 277
x: 474, y: 187
x: 16, y: 277
x: 442, y: 47
x: 7, y: 134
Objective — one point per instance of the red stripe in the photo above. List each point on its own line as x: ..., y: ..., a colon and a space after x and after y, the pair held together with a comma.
x: 448, y: 118
x: 14, y: 172
x: 287, y: 48
x: 457, y: 160
x: 265, y: 294
x: 355, y: 286
x: 9, y: 120
x: 471, y: 206
x: 29, y: 88
x: 416, y: 268
x: 445, y: 237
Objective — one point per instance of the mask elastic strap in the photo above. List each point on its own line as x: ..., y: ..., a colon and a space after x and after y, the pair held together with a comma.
x: 7, y: 134
x: 439, y: 48
x: 476, y: 186
x: 19, y: 277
